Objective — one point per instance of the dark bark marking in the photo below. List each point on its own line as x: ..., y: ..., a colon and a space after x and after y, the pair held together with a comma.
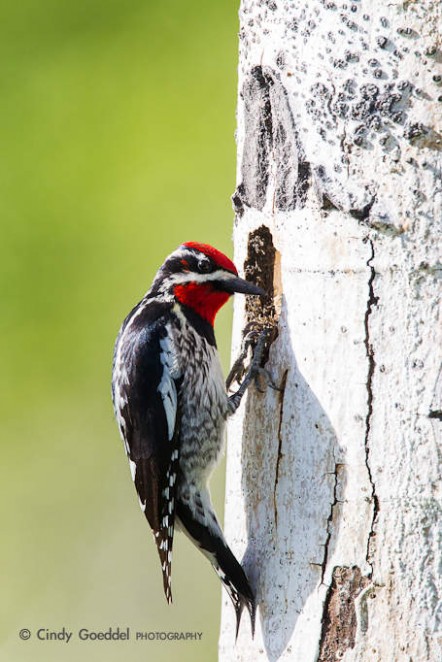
x: 333, y: 196
x: 259, y: 268
x: 252, y: 191
x: 363, y: 213
x: 372, y: 302
x: 279, y: 455
x: 339, y: 621
x: 330, y: 522
x: 270, y: 138
x: 237, y: 200
x: 436, y: 405
x: 423, y: 136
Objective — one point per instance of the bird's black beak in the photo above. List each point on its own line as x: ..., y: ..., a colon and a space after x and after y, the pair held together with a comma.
x: 241, y: 286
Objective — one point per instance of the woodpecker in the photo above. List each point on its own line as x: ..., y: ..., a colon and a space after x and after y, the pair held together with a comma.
x: 171, y: 405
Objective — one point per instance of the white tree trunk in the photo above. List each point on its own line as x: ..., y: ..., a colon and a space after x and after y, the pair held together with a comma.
x: 333, y: 491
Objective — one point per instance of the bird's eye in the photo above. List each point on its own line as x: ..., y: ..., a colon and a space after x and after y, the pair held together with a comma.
x: 203, y: 266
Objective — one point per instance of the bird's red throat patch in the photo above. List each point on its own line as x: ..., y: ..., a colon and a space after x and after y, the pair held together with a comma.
x: 202, y: 298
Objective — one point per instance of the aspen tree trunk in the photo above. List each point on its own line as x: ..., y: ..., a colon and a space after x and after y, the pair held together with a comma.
x: 334, y: 482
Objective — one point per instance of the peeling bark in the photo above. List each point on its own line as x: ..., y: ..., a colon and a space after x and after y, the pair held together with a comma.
x: 339, y: 624
x: 334, y: 482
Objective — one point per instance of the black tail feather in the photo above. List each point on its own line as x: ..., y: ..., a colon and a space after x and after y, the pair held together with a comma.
x: 239, y: 606
x: 212, y: 544
x: 236, y: 584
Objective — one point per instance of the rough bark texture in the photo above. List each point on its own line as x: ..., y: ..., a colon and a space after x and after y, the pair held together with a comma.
x: 333, y: 490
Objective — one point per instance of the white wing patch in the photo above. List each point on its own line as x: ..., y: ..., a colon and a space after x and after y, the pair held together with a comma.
x: 120, y: 381
x: 120, y: 401
x: 133, y: 468
x: 166, y: 387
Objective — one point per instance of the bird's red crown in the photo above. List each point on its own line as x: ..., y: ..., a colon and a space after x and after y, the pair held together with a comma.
x: 222, y: 260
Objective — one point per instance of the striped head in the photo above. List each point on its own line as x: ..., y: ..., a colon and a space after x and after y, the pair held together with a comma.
x: 200, y: 277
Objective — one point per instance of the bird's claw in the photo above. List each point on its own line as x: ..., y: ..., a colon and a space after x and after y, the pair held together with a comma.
x: 237, y: 371
x: 257, y: 340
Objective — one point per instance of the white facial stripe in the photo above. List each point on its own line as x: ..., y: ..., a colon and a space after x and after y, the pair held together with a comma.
x: 187, y: 252
x: 192, y: 277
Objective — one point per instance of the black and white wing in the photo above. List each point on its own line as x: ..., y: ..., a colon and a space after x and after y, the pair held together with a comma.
x: 146, y: 380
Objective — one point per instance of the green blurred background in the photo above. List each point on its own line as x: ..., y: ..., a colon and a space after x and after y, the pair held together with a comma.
x: 117, y: 123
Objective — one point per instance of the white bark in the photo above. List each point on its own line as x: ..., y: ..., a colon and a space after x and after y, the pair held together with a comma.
x: 333, y: 487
